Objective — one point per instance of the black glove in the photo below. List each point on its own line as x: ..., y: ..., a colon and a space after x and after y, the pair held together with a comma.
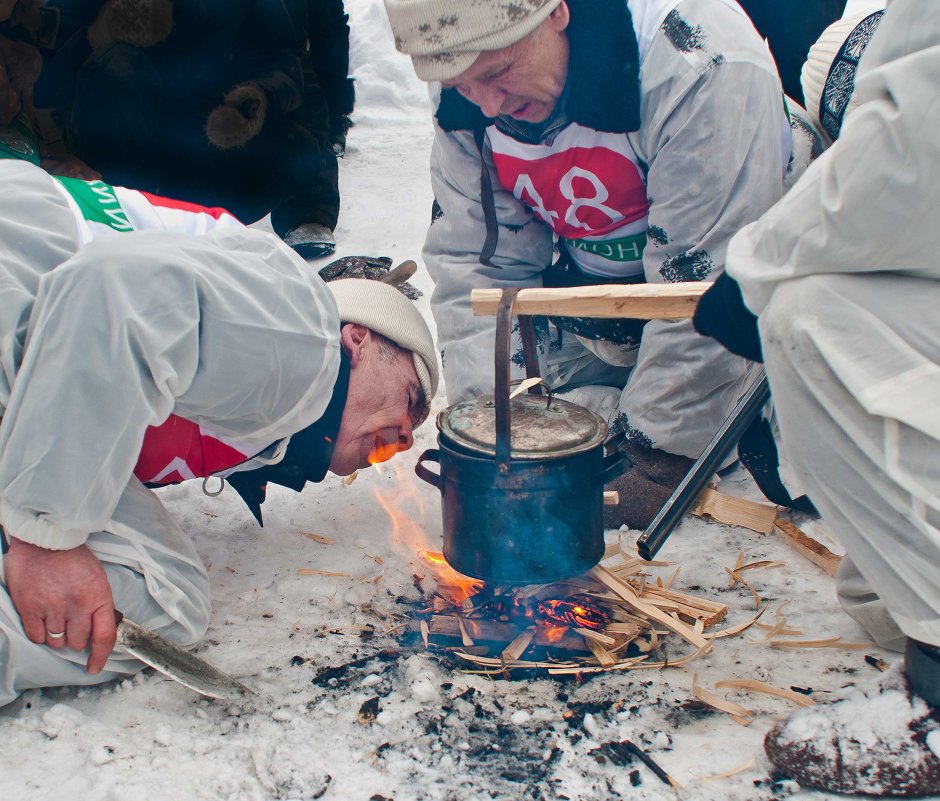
x: 646, y: 486
x: 722, y: 315
x: 757, y: 449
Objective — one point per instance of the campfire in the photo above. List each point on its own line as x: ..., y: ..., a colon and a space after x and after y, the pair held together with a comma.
x: 623, y: 614
x: 615, y: 617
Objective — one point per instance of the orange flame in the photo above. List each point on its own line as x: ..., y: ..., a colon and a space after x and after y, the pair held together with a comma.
x: 553, y: 634
x: 414, y: 540
x: 383, y: 452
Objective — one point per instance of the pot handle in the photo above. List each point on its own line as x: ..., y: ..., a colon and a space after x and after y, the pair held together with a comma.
x: 503, y: 423
x: 431, y: 455
x: 502, y: 362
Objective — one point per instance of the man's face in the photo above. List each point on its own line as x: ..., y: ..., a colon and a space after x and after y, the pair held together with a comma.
x: 523, y: 80
x: 384, y: 404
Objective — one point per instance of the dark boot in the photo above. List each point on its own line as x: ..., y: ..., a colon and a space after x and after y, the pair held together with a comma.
x: 881, y: 739
x: 645, y: 487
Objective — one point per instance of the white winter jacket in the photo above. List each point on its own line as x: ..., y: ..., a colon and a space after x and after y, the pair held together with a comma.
x: 712, y: 143
x: 118, y: 309
x: 870, y: 205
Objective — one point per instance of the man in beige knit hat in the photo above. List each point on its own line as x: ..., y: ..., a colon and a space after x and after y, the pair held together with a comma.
x: 144, y: 342
x: 637, y: 137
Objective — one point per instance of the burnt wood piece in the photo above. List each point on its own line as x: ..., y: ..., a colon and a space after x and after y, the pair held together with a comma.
x: 326, y: 675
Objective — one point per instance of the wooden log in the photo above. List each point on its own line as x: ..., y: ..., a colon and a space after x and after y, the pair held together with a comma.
x: 638, y: 301
x: 802, y: 543
x: 496, y: 632
x: 733, y: 511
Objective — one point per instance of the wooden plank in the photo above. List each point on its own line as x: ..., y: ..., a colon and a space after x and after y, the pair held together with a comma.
x: 638, y: 301
x: 731, y: 511
x: 802, y: 543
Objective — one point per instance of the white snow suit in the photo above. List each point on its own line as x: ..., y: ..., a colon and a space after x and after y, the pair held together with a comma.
x: 640, y: 178
x: 844, y: 275
x: 117, y: 310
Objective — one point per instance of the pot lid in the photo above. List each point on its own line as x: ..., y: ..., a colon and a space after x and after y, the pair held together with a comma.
x: 541, y: 427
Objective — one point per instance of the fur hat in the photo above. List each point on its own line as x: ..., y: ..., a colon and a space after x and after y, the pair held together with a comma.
x: 828, y: 76
x: 444, y: 39
x: 383, y: 309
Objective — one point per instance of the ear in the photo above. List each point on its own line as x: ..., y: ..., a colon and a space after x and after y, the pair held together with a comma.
x: 355, y: 340
x: 559, y: 17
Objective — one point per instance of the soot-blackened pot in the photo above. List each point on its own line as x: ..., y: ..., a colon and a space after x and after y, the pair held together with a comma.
x: 521, y: 478
x: 529, y: 514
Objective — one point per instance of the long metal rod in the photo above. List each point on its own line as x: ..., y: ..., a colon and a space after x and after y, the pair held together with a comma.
x: 685, y: 495
x: 501, y: 368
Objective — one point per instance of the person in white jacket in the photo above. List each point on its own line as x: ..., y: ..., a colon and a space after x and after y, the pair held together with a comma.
x: 843, y: 277
x: 636, y: 136
x: 145, y: 341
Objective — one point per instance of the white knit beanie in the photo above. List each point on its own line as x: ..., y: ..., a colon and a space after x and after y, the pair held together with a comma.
x: 444, y: 38
x: 385, y: 310
x: 828, y: 76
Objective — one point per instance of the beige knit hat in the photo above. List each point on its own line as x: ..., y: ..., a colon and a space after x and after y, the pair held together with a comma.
x: 444, y: 38
x: 828, y: 76
x: 388, y: 312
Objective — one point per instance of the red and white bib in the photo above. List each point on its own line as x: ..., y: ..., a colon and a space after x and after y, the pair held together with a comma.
x: 179, y: 450
x: 589, y: 187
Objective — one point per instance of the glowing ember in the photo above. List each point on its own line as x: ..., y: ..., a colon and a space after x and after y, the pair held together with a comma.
x: 574, y: 611
x: 554, y: 634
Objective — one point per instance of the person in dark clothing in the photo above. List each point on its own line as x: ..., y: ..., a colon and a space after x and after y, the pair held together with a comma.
x: 233, y: 104
x: 790, y: 28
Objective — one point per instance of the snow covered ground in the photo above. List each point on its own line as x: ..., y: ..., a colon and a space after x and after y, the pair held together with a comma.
x: 438, y: 733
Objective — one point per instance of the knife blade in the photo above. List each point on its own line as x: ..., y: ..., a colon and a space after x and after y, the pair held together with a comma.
x: 180, y: 665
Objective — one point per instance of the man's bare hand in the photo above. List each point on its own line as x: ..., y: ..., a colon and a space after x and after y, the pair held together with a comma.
x: 63, y: 593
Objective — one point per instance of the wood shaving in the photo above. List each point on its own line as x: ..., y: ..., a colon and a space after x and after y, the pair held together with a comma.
x: 761, y: 687
x: 318, y: 538
x: 517, y: 647
x: 729, y: 773
x: 738, y: 713
x: 306, y: 571
x: 826, y: 642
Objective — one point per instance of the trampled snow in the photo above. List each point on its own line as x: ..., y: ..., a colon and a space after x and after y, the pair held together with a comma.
x: 408, y: 724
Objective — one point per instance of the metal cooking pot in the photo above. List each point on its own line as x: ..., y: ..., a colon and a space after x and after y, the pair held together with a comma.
x: 521, y: 481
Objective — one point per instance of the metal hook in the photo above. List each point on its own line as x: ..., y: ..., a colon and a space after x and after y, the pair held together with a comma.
x: 205, y: 483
